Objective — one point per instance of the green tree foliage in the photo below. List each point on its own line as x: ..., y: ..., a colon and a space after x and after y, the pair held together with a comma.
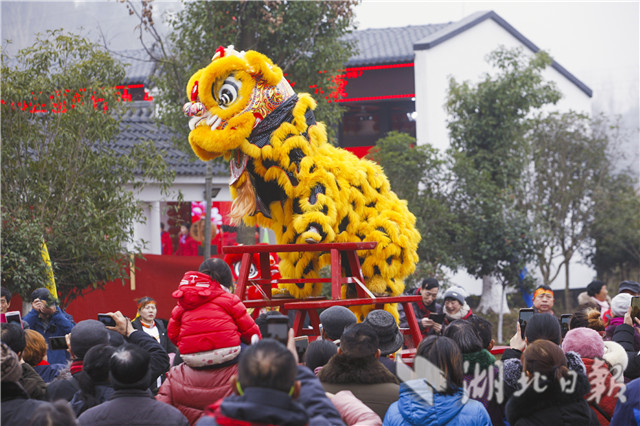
x: 418, y: 174
x: 302, y: 37
x: 487, y: 126
x: 570, y: 165
x: 616, y: 229
x: 62, y: 179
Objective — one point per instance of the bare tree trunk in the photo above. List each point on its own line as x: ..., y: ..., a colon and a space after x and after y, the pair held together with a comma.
x: 501, y: 315
x: 566, y: 287
x: 206, y: 252
x: 493, y: 297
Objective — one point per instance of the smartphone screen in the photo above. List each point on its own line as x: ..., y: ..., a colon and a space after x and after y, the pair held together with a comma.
x: 278, y: 328
x: 14, y: 316
x: 106, y: 320
x: 635, y: 307
x: 564, y: 323
x: 58, y: 342
x: 302, y: 343
x: 523, y: 318
x: 439, y: 318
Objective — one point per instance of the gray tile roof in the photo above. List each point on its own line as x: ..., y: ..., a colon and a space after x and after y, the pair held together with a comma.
x: 139, y: 126
x: 379, y: 46
x: 138, y: 67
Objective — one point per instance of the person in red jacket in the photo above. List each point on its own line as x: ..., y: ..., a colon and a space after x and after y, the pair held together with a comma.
x: 165, y: 241
x: 208, y: 323
x: 187, y: 246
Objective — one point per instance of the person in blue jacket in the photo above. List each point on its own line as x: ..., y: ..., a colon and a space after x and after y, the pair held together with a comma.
x: 49, y: 320
x: 628, y: 412
x: 440, y: 403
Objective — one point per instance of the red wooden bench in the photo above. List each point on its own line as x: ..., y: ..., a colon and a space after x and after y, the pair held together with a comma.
x: 310, y: 306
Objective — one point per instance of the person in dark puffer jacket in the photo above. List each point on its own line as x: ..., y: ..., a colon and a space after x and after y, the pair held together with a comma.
x: 541, y: 326
x: 265, y: 390
x: 132, y: 402
x: 95, y: 387
x: 16, y: 407
x: 623, y: 335
x: 553, y: 405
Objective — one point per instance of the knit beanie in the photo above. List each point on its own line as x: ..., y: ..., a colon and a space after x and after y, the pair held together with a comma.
x: 11, y: 369
x: 585, y: 341
x: 86, y: 334
x: 335, y: 319
x: 631, y: 286
x: 455, y: 293
x: 620, y: 304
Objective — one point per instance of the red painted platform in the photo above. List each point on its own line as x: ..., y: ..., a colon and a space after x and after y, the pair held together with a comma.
x: 310, y: 306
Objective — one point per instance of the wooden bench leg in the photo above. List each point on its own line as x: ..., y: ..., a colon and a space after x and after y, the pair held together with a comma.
x: 298, y: 323
x: 314, y: 318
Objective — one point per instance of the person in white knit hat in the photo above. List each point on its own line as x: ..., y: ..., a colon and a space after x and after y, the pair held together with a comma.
x: 619, y: 306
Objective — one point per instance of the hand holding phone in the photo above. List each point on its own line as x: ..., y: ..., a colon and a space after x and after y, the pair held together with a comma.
x: 302, y: 343
x: 437, y: 318
x: 524, y: 316
x: 278, y: 328
x: 564, y: 323
x: 107, y: 320
x: 14, y: 316
x: 635, y: 308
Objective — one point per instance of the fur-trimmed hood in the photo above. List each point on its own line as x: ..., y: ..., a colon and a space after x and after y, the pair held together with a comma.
x: 342, y: 369
x: 463, y: 313
x: 615, y: 354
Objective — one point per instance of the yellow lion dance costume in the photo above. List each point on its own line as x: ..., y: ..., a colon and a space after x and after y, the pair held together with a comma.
x: 285, y: 176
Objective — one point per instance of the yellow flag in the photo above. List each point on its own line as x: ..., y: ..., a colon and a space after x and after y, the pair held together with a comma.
x: 51, y: 282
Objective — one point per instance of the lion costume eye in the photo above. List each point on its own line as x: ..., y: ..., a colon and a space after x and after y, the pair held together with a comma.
x: 228, y: 92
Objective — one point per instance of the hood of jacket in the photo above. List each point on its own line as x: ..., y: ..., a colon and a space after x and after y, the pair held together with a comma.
x: 483, y: 359
x: 615, y: 355
x: 267, y: 406
x: 342, y: 370
x: 195, y: 289
x: 419, y: 405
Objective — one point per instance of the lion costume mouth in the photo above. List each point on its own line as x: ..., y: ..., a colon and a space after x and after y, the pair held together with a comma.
x: 237, y: 165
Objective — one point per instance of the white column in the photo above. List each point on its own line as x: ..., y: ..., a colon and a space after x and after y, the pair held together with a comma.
x: 153, y: 229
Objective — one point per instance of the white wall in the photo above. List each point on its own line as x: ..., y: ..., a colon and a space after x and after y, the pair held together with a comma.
x: 464, y: 58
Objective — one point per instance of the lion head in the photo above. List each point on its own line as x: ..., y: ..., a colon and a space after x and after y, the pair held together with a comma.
x: 229, y: 98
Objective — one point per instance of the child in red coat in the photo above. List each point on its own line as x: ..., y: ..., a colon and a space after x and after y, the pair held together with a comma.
x: 208, y: 323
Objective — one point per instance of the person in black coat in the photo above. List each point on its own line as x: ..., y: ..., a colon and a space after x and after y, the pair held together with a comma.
x: 624, y: 335
x: 549, y: 402
x: 147, y: 322
x: 16, y: 407
x: 130, y: 372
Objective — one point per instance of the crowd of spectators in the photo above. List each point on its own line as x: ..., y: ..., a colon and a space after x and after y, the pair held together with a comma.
x: 212, y: 364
